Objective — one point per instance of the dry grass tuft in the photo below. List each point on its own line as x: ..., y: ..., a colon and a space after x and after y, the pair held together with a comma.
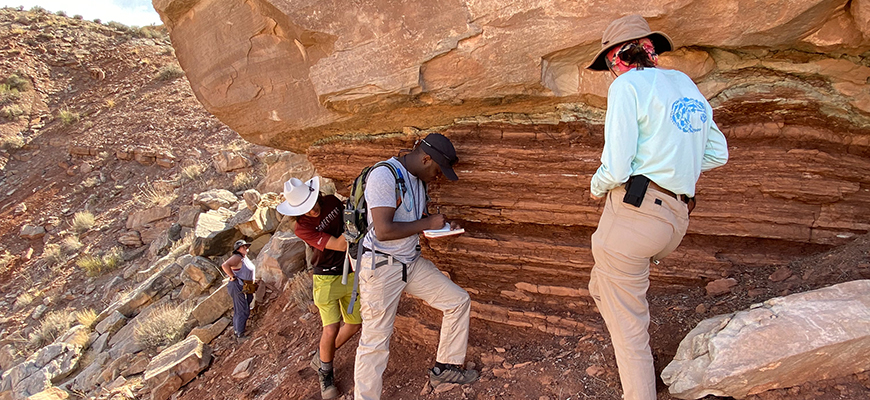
x: 51, y: 326
x: 82, y: 221
x: 6, y: 258
x: 86, y: 317
x: 68, y: 117
x: 301, y: 290
x: 245, y: 180
x: 170, y: 72
x: 53, y: 255
x: 97, y: 265
x: 71, y: 244
x: 192, y: 172
x: 23, y: 300
x: 150, y: 195
x: 163, y: 327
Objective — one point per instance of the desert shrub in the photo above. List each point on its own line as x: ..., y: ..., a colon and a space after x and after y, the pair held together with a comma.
x: 245, y: 180
x: 82, y: 221
x: 98, y: 21
x: 8, y: 94
x: 23, y: 300
x: 86, y: 317
x: 95, y: 265
x: 37, y: 9
x: 12, y: 142
x: 68, y: 117
x: 117, y: 25
x: 60, y: 13
x: 11, y: 111
x: 78, y: 17
x: 193, y: 171
x: 149, y: 32
x: 149, y: 195
x: 53, y: 254
x: 51, y: 326
x: 6, y: 258
x: 18, y: 81
x: 301, y: 290
x: 71, y: 244
x: 170, y: 72
x: 110, y: 103
x: 163, y: 326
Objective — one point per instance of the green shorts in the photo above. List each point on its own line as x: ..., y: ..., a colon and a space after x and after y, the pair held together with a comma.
x: 332, y: 299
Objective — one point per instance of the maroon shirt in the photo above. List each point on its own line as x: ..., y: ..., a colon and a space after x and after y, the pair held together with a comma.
x: 317, y: 232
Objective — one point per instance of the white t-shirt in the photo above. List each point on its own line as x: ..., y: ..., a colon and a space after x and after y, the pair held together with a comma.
x: 381, y: 192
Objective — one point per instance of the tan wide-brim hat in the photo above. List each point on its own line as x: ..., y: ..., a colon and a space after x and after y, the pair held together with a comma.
x: 629, y: 27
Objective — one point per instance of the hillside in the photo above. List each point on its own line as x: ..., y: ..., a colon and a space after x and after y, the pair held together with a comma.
x: 103, y: 121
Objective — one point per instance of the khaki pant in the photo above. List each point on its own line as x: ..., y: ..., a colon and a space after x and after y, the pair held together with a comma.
x: 626, y: 239
x: 380, y: 290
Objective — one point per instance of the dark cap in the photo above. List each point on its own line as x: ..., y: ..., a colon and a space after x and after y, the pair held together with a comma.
x: 239, y: 243
x: 442, y: 152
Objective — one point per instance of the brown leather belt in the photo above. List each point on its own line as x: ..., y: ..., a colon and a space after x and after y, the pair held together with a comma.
x: 682, y: 197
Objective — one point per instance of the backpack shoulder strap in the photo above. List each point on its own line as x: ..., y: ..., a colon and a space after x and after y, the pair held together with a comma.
x: 397, y: 175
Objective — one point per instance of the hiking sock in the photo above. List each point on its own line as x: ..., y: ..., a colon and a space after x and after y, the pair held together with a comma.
x: 326, y: 366
x: 439, y: 367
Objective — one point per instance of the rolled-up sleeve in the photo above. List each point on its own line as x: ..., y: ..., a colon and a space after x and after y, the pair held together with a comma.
x: 620, y: 139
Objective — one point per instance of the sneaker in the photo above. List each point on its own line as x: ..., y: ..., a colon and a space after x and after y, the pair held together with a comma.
x: 240, y: 337
x: 452, y: 374
x: 327, y: 384
x: 315, y: 360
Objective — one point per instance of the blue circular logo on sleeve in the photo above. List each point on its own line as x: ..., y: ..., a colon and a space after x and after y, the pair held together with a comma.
x: 688, y: 114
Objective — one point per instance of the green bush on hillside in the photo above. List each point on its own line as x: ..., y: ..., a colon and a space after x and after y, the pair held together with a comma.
x: 170, y: 72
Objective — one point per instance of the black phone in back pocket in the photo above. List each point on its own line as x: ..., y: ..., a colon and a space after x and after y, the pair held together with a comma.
x: 635, y: 189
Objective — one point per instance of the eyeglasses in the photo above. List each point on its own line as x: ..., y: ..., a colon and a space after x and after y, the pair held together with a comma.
x: 450, y: 160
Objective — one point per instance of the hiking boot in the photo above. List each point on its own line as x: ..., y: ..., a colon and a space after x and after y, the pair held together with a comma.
x: 452, y: 374
x: 240, y: 337
x: 315, y: 360
x: 327, y: 384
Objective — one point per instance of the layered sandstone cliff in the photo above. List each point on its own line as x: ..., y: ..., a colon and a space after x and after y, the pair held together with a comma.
x: 353, y: 82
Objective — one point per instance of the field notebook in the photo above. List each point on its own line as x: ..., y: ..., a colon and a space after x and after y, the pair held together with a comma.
x: 445, y: 231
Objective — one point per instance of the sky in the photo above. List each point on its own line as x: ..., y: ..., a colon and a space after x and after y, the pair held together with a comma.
x: 127, y: 12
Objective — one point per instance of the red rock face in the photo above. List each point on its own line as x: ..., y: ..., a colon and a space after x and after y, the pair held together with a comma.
x: 286, y: 73
x: 505, y: 81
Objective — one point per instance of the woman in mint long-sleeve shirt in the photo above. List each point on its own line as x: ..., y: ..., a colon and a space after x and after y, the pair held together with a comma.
x: 659, y: 129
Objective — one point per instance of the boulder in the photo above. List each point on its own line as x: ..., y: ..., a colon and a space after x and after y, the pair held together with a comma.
x: 137, y: 365
x: 243, y: 369
x: 52, y: 393
x: 49, y: 364
x: 8, y: 357
x: 285, y: 165
x: 215, y: 199
x: 187, y: 215
x: 112, y: 323
x: 31, y: 232
x: 227, y: 160
x: 89, y: 378
x: 261, y: 221
x: 139, y: 218
x: 154, y: 230
x: 281, y: 258
x: 183, y: 360
x: 783, y: 342
x: 159, y: 245
x: 252, y: 198
x: 198, y: 270
x: 257, y: 245
x: 130, y: 238
x: 213, y: 234
x: 213, y: 307
x: 161, y: 282
x: 207, y: 333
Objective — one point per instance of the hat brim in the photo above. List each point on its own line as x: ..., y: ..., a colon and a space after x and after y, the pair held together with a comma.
x: 287, y: 209
x: 448, y: 173
x: 661, y: 41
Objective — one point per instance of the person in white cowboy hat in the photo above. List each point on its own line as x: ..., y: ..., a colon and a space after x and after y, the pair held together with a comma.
x: 392, y: 265
x: 320, y: 225
x: 659, y: 135
x: 239, y: 269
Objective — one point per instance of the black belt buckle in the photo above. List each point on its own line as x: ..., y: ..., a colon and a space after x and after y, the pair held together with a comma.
x: 635, y: 189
